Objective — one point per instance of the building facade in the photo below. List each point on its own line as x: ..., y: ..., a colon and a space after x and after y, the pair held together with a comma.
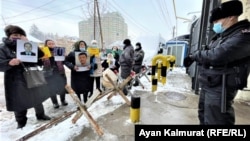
x: 113, y: 27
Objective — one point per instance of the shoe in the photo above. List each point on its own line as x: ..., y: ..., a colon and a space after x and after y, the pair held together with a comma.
x: 64, y: 103
x: 136, y: 84
x: 21, y: 124
x: 43, y: 117
x: 56, y: 105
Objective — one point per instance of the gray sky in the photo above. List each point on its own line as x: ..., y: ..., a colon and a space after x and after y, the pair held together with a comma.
x: 62, y: 16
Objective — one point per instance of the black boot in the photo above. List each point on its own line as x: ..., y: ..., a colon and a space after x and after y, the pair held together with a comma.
x: 56, y: 105
x: 21, y: 124
x: 136, y: 84
x: 21, y: 118
x: 64, y: 102
x: 43, y: 117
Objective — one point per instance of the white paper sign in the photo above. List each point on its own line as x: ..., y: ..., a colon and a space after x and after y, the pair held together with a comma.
x: 59, y: 53
x: 27, y: 51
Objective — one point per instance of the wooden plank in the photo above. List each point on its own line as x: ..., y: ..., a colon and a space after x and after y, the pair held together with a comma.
x: 84, y: 110
x: 95, y: 94
x: 46, y: 126
x: 118, y: 88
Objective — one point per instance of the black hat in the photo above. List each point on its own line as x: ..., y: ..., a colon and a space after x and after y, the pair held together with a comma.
x: 230, y: 8
x: 13, y: 29
x: 127, y: 42
x: 138, y: 44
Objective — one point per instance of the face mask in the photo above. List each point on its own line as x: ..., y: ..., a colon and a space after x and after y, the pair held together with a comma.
x: 218, y: 28
x: 137, y: 47
x: 82, y: 49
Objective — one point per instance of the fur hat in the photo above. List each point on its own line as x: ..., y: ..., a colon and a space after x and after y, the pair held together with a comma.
x: 13, y: 29
x: 126, y: 42
x: 229, y: 8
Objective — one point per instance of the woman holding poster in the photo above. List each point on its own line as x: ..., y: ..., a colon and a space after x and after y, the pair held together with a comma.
x: 96, y: 65
x: 19, y: 98
x: 55, y: 74
x: 78, y: 62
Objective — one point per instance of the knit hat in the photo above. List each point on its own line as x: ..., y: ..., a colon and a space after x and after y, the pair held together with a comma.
x: 13, y: 29
x: 93, y: 42
x: 127, y: 42
x: 230, y: 8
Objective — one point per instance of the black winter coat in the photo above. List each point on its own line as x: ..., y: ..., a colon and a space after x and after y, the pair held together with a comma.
x: 18, y: 97
x: 231, y: 49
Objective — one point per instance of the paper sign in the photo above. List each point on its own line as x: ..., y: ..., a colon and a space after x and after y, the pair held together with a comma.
x: 26, y: 51
x: 59, y: 53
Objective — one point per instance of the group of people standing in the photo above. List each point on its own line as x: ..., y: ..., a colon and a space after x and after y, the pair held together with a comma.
x: 19, y: 98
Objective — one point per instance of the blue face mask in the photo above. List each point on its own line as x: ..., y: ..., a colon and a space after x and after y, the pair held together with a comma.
x: 218, y: 28
x: 82, y: 49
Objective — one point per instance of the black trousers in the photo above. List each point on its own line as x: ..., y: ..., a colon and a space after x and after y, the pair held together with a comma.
x: 97, y: 81
x: 209, y: 108
x: 54, y: 98
x: 21, y: 115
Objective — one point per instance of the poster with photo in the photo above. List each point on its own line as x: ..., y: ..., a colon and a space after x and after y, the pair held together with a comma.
x: 26, y: 51
x: 59, y: 53
x: 82, y: 61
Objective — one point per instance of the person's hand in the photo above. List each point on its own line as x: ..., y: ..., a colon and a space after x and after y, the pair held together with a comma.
x: 14, y: 62
x: 75, y: 68
x: 188, y: 61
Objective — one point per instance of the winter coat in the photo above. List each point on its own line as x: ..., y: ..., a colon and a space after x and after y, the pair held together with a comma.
x: 227, y: 52
x: 18, y: 97
x: 138, y: 56
x: 126, y: 61
x: 55, y: 75
x: 116, y: 54
x: 80, y: 80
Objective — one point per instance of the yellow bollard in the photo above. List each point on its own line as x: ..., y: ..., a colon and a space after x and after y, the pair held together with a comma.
x: 135, y: 109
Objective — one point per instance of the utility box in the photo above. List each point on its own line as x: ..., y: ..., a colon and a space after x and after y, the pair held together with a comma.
x: 178, y: 49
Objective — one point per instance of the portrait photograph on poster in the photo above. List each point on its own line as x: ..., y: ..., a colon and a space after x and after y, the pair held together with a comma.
x: 26, y: 51
x: 82, y: 61
x: 59, y: 53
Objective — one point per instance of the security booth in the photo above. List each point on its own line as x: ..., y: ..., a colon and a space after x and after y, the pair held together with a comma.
x: 178, y: 49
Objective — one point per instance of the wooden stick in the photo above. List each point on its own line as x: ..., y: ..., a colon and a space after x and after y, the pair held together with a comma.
x: 119, y: 88
x: 46, y: 126
x: 83, y: 109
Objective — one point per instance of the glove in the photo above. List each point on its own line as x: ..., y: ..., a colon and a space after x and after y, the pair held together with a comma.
x: 188, y: 61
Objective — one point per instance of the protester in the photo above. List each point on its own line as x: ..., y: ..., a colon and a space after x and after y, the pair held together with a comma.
x: 126, y: 61
x: 111, y: 63
x: 80, y: 80
x: 115, y: 53
x: 224, y: 65
x: 138, y: 59
x: 96, y: 68
x: 18, y: 97
x: 55, y: 76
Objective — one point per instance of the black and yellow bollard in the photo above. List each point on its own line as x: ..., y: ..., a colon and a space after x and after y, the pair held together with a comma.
x: 154, y: 85
x: 135, y: 109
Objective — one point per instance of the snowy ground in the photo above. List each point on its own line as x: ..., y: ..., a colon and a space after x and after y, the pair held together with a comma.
x: 66, y: 131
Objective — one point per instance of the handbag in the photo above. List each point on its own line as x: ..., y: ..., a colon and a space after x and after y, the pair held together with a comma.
x: 33, y: 76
